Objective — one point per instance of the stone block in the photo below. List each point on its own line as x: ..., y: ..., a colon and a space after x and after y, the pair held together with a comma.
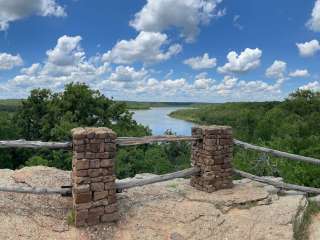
x: 99, y: 186
x: 82, y: 164
x: 82, y: 197
x: 100, y: 195
x: 94, y: 163
x: 110, y: 217
x: 106, y: 162
x: 81, y: 173
x: 94, y: 173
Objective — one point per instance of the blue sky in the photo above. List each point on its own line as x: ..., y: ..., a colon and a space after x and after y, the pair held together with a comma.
x: 161, y: 50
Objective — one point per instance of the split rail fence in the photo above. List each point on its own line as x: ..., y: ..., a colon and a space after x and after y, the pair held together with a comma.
x: 94, y: 185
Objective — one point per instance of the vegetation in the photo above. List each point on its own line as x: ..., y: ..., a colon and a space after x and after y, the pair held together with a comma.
x: 49, y: 116
x: 292, y: 126
x: 302, y: 223
x: 147, y: 105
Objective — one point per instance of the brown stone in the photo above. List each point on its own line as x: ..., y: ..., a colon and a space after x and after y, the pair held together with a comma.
x: 106, y: 162
x: 97, y: 211
x: 82, y: 197
x: 94, y: 163
x: 111, y: 217
x: 109, y: 185
x: 94, y: 172
x: 81, y: 188
x: 99, y: 186
x: 90, y: 155
x: 111, y: 208
x: 100, y: 195
x: 82, y: 164
x: 93, y: 219
x: 82, y: 173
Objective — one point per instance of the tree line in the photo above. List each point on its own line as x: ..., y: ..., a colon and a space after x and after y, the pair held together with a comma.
x: 49, y: 116
x: 292, y: 125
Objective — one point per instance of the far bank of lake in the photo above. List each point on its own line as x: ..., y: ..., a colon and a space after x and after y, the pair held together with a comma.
x: 158, y: 121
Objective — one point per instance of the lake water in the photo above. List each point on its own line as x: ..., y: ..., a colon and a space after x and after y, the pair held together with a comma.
x: 158, y: 121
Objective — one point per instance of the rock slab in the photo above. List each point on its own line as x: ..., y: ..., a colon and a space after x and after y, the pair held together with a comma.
x: 170, y: 210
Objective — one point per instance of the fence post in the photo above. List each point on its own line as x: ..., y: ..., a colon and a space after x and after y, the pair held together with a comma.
x: 93, y: 176
x: 212, y: 154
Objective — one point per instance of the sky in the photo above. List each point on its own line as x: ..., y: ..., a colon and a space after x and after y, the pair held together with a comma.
x: 161, y: 50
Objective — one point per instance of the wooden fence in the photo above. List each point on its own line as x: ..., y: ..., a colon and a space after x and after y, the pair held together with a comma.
x: 134, y: 141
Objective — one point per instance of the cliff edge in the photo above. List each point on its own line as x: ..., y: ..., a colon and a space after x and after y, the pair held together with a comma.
x: 171, y: 210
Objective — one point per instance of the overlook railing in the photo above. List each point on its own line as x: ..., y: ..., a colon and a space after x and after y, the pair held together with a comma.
x: 93, y: 178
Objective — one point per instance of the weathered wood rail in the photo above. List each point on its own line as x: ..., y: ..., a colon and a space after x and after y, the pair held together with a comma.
x: 125, y: 184
x: 277, y: 153
x: 134, y: 141
x: 120, y: 141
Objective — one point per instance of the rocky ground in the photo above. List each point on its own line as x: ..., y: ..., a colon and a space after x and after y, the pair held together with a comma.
x: 170, y: 210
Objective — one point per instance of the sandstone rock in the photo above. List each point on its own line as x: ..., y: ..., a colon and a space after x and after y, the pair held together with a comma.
x: 168, y: 210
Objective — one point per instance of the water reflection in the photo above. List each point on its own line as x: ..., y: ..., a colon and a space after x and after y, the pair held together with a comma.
x: 158, y: 120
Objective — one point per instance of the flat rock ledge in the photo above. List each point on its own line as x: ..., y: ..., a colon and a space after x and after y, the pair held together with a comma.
x: 171, y: 210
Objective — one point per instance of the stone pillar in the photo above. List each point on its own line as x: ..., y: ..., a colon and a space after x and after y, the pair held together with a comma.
x: 212, y: 154
x: 93, y: 176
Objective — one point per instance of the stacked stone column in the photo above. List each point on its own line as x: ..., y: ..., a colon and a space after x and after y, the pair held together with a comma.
x: 93, y: 176
x: 212, y: 154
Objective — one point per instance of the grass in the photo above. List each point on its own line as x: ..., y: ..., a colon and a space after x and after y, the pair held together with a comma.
x: 301, y: 230
x: 71, y: 217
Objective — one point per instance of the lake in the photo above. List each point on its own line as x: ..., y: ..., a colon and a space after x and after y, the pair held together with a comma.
x: 158, y: 121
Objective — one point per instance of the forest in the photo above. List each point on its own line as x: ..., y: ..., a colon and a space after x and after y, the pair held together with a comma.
x: 292, y: 125
x: 49, y: 116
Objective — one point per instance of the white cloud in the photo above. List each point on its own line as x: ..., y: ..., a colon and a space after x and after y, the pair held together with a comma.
x: 186, y: 15
x: 299, y: 73
x: 65, y: 63
x: 8, y: 61
x: 203, y: 83
x: 314, y: 22
x: 248, y: 60
x: 66, y: 52
x: 33, y: 69
x: 308, y: 49
x: 204, y: 62
x: 277, y: 69
x: 12, y: 10
x: 127, y: 74
x: 314, y: 86
x: 147, y: 47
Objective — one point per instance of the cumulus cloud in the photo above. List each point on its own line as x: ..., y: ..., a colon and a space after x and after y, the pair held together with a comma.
x: 147, y: 47
x: 8, y: 61
x: 127, y: 74
x: 247, y: 60
x: 66, y: 52
x: 308, y: 49
x: 299, y: 73
x: 12, y: 10
x: 204, y: 62
x: 65, y: 63
x: 314, y: 86
x: 186, y: 15
x: 277, y: 69
x: 314, y: 22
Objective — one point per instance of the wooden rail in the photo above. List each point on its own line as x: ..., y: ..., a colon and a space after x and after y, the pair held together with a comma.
x: 35, y: 144
x: 121, y: 141
x: 124, y: 184
x: 131, y: 141
x: 120, y: 184
x: 39, y: 191
x: 277, y: 153
x: 280, y: 185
